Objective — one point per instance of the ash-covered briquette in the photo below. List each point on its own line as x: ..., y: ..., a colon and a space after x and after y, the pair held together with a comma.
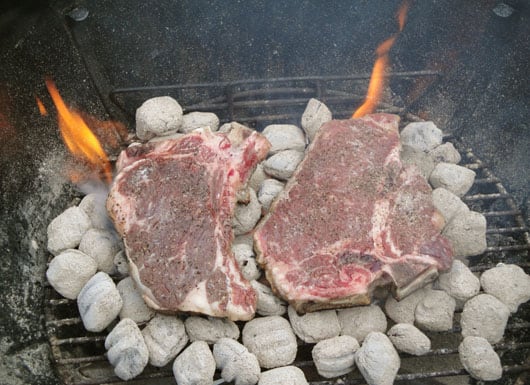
x: 99, y: 302
x: 435, y: 311
x: 236, y: 363
x: 69, y: 271
x: 198, y: 120
x: 484, y: 316
x: 409, y: 339
x: 508, y: 283
x: 316, y: 326
x: 195, y: 365
x: 284, y: 137
x: 282, y: 164
x: 479, y: 359
x: 158, y: 116
x: 102, y: 245
x: 134, y: 306
x: 165, y: 336
x: 315, y: 115
x: 126, y: 350
x: 377, y: 359
x: 268, y: 191
x: 271, y: 340
x: 66, y: 230
x: 280, y: 376
x: 334, y: 357
x: 360, y: 321
x: 210, y: 329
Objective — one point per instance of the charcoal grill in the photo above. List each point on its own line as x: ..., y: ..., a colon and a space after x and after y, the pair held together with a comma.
x: 80, y: 355
x: 96, y: 51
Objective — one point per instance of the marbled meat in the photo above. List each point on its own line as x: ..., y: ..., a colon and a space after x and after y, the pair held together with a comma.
x: 351, y: 218
x: 173, y: 203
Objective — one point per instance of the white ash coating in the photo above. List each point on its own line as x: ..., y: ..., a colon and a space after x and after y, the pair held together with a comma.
x: 127, y: 351
x: 134, y: 306
x: 290, y: 375
x: 121, y: 265
x: 245, y: 239
x: 423, y: 136
x: 479, y: 359
x: 467, y: 233
x: 315, y: 326
x: 70, y: 271
x: 377, y: 359
x: 484, y: 316
x: 403, y: 311
x: 459, y: 282
x: 99, y: 302
x: 210, y: 329
x: 455, y: 178
x: 195, y: 365
x: 448, y: 204
x: 93, y: 205
x: 246, y: 215
x: 283, y: 164
x: 194, y: 120
x: 359, y: 321
x: 315, y: 115
x: 284, y: 137
x: 271, y: 340
x: 445, y: 152
x: 102, y: 245
x: 164, y: 336
x: 335, y: 356
x: 158, y: 117
x: 268, y: 191
x: 409, y: 339
x: 177, y: 135
x: 237, y: 364
x: 413, y: 156
x: 246, y: 260
x: 435, y: 311
x: 268, y: 303
x: 66, y: 230
x: 509, y: 283
x: 257, y: 177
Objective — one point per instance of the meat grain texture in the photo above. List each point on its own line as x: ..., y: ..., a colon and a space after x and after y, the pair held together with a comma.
x: 351, y: 218
x: 173, y: 203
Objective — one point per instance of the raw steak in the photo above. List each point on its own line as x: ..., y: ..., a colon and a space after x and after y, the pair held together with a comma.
x: 351, y: 218
x: 172, y: 202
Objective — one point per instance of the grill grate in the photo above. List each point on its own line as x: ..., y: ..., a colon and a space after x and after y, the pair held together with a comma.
x: 80, y: 355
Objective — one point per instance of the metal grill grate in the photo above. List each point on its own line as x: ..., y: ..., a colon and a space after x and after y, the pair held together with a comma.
x: 80, y: 355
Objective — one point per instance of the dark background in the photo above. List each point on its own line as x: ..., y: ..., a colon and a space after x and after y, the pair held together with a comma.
x: 482, y: 96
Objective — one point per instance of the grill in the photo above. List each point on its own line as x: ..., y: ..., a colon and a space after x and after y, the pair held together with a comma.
x: 80, y: 355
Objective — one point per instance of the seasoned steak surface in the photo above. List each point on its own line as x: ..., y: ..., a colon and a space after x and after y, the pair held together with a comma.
x: 172, y: 202
x: 351, y: 218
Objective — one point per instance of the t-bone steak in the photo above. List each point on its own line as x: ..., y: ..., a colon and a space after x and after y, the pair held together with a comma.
x: 173, y: 202
x: 351, y: 218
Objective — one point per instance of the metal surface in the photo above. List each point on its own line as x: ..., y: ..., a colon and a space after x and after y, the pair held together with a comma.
x: 80, y: 355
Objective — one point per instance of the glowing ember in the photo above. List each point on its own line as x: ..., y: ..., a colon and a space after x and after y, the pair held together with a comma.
x: 78, y: 137
x: 378, y: 77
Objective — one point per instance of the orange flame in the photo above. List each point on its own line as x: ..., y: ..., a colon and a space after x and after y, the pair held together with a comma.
x: 78, y: 137
x: 40, y: 104
x: 378, y: 77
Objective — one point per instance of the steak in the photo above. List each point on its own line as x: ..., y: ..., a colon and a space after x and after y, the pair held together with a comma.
x: 173, y: 202
x: 351, y: 218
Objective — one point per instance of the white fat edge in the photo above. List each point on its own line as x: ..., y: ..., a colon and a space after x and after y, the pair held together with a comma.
x: 379, y: 223
x: 147, y: 294
x: 394, y: 155
x: 197, y: 301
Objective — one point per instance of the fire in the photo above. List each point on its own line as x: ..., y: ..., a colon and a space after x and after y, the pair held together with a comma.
x: 78, y: 137
x: 378, y: 77
x: 41, y: 107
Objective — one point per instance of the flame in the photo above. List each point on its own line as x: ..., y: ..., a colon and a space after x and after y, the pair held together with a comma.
x: 378, y: 77
x: 40, y: 104
x: 78, y: 137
